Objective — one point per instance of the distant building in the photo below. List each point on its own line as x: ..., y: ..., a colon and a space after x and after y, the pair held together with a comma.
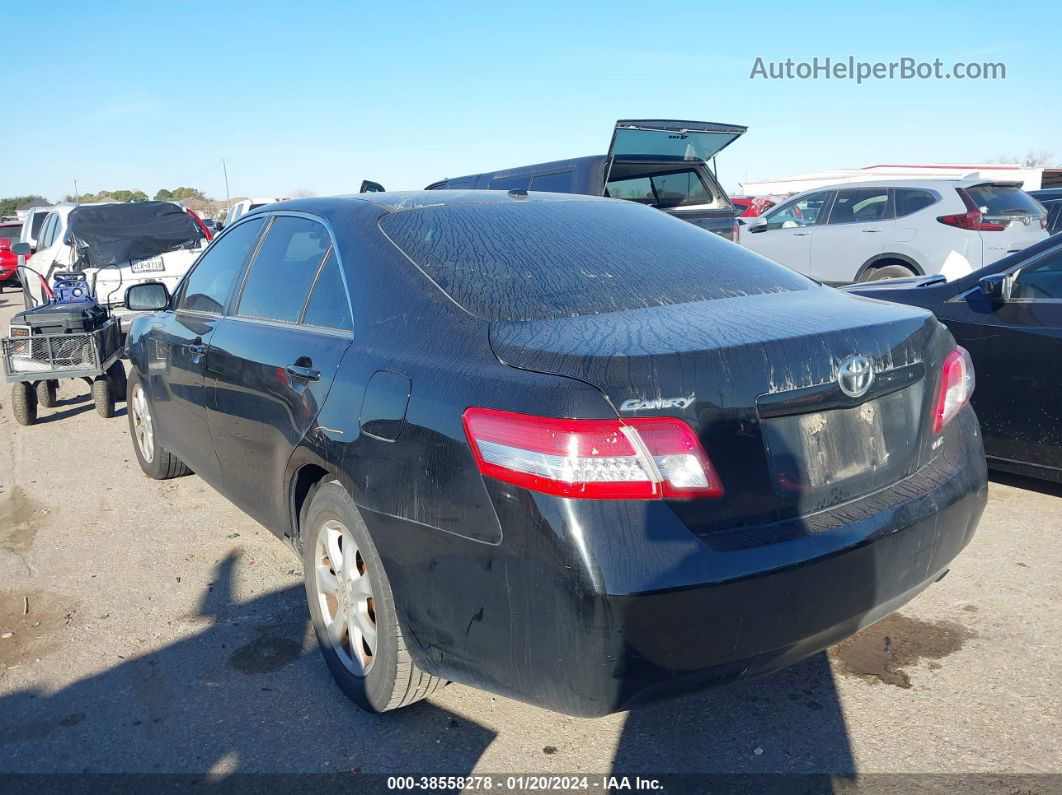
x: 1031, y: 178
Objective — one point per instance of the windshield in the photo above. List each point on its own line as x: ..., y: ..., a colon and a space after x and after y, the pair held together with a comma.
x: 533, y: 260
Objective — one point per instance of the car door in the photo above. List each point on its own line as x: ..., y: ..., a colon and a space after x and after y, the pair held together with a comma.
x: 859, y: 224
x: 177, y: 353
x: 273, y: 359
x: 1016, y: 345
x: 785, y: 234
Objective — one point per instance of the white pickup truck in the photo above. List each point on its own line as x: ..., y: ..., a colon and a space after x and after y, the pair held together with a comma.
x: 116, y: 245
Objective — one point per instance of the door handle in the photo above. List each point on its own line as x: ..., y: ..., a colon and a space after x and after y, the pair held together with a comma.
x: 871, y: 230
x: 305, y: 373
x: 801, y: 234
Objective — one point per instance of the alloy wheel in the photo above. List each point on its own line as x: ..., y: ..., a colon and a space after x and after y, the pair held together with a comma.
x: 345, y: 597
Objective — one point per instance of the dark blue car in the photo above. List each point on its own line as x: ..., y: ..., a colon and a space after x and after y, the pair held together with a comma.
x: 1008, y: 315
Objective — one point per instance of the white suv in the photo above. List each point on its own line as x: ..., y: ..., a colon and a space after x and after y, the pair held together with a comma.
x: 857, y: 232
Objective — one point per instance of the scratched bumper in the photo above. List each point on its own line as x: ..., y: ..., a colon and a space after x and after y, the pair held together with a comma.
x: 589, y: 607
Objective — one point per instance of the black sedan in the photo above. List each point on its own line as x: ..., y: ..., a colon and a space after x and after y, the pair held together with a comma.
x: 568, y: 449
x: 1008, y: 315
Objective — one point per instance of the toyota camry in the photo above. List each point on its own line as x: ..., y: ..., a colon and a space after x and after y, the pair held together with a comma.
x: 567, y: 449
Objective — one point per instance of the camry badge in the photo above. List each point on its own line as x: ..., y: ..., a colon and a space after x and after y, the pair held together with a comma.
x: 640, y: 404
x: 855, y: 375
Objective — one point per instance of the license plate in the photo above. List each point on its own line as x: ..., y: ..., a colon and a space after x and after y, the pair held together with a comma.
x: 148, y: 265
x: 829, y: 456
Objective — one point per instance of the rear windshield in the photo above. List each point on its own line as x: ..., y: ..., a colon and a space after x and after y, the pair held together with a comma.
x: 1000, y: 200
x: 11, y: 231
x: 531, y: 260
x: 36, y: 222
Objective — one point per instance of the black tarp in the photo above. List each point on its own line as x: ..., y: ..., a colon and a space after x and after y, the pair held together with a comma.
x: 108, y: 234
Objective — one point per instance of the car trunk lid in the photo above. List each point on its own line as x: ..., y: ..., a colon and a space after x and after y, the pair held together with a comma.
x: 757, y: 378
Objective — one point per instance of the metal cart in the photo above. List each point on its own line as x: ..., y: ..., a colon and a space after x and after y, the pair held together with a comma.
x: 34, y: 363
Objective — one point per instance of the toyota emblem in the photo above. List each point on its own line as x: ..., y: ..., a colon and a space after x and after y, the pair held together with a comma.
x: 855, y: 375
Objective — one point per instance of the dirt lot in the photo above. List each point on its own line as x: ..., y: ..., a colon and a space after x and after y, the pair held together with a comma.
x: 153, y: 627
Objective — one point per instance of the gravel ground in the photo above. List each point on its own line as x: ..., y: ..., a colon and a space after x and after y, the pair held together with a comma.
x: 153, y: 627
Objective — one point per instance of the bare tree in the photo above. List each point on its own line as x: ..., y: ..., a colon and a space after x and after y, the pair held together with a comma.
x: 1032, y: 159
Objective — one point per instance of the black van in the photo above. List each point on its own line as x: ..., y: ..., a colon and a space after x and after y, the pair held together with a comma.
x: 659, y: 162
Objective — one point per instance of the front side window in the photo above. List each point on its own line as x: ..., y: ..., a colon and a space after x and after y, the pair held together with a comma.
x: 1041, y: 280
x: 861, y: 206
x: 208, y: 286
x: 803, y: 212
x: 284, y: 270
x: 664, y: 190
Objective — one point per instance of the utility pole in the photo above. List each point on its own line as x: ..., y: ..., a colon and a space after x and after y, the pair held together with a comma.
x: 77, y: 196
x: 226, y: 172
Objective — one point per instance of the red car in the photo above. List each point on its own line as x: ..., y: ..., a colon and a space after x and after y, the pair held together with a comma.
x: 752, y: 206
x: 9, y: 234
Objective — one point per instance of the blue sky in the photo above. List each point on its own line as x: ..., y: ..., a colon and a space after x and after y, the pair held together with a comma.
x: 320, y: 95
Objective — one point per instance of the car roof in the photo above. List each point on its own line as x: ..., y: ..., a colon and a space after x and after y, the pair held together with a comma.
x: 397, y: 201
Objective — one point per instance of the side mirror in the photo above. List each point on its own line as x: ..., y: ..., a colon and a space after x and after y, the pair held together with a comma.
x: 757, y: 224
x: 218, y: 226
x: 996, y: 287
x: 368, y: 186
x: 147, y: 297
x: 21, y: 249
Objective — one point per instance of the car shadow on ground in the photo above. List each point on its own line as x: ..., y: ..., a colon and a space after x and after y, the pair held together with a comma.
x: 211, y: 702
x: 1047, y: 487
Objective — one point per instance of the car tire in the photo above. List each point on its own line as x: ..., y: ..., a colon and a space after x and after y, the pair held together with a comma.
x: 887, y: 272
x: 103, y: 396
x: 24, y: 402
x: 46, y: 391
x: 155, y: 462
x: 117, y: 375
x: 351, y: 599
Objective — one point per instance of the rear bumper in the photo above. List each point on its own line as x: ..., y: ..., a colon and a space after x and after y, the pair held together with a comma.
x: 589, y: 607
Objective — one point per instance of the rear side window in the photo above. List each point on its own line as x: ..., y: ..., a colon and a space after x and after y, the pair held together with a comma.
x: 529, y: 260
x: 554, y: 183
x: 860, y: 206
x: 1003, y: 200
x: 328, y: 306
x: 911, y: 200
x: 208, y: 286
x: 284, y: 270
x: 510, y: 183
x: 36, y: 223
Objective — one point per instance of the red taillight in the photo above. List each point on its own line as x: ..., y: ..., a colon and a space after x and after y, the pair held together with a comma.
x: 639, y: 459
x: 956, y: 387
x: 972, y: 218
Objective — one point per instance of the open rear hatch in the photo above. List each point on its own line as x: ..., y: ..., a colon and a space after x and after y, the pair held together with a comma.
x: 671, y: 139
x: 757, y: 377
